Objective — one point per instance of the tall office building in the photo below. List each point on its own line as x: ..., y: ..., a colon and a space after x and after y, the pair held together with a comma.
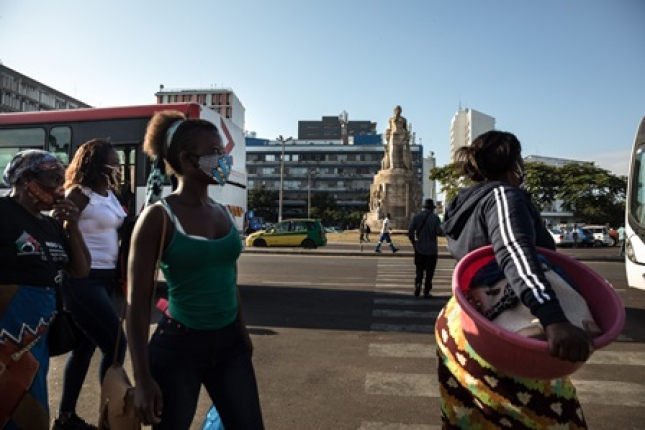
x: 331, y: 127
x: 465, y: 126
x: 20, y: 93
x: 428, y: 186
x: 221, y: 100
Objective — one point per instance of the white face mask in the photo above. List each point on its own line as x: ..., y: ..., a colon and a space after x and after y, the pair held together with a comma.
x: 216, y: 166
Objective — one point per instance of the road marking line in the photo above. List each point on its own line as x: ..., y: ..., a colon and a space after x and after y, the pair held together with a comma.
x: 371, y: 425
x: 615, y: 393
x: 623, y: 338
x: 400, y: 328
x: 409, y: 285
x: 622, y: 358
x: 316, y: 284
x: 402, y: 350
x: 396, y: 313
x: 412, y: 301
x: 442, y: 293
x: 401, y: 384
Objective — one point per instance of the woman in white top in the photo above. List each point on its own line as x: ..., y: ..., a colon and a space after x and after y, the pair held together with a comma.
x: 96, y: 170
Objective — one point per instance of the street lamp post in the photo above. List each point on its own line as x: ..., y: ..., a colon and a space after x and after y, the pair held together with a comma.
x: 281, y: 140
x: 310, y: 173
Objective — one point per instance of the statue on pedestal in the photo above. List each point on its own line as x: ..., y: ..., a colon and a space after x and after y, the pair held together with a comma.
x: 397, y: 147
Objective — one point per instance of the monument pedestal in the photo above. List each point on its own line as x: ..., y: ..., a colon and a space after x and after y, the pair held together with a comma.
x: 397, y: 192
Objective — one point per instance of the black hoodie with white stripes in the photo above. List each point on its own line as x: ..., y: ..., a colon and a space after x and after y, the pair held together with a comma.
x: 502, y: 215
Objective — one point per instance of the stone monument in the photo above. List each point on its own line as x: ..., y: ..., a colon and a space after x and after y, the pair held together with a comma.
x: 396, y: 189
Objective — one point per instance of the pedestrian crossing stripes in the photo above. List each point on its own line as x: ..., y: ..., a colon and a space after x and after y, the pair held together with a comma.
x: 396, y: 310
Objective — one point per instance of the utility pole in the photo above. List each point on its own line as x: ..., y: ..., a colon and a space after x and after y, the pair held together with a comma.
x: 310, y: 173
x: 281, y: 140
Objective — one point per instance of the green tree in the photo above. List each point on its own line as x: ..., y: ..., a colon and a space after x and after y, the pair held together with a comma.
x: 263, y: 202
x: 542, y: 182
x: 450, y: 180
x: 593, y: 194
x: 324, y: 207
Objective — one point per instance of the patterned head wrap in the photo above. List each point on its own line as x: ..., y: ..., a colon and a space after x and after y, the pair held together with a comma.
x: 29, y: 161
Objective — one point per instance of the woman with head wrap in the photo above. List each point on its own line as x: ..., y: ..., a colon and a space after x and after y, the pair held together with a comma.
x: 34, y: 250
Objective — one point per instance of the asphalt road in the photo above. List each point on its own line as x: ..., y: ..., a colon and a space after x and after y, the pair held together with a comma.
x: 340, y: 343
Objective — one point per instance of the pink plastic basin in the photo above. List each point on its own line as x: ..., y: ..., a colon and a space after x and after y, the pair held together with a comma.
x: 529, y: 358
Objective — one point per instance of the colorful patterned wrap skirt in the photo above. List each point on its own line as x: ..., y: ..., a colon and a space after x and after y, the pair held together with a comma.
x: 25, y: 315
x: 475, y: 395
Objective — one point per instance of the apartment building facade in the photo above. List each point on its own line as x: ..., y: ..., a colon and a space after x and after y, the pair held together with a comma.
x: 20, y: 93
x: 222, y: 100
x: 320, y: 166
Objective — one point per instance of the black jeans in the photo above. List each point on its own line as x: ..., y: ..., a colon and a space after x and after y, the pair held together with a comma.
x: 90, y: 300
x: 427, y: 264
x: 183, y: 359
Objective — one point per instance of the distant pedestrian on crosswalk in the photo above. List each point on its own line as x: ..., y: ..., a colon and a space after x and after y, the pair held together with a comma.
x: 424, y: 229
x: 385, y: 235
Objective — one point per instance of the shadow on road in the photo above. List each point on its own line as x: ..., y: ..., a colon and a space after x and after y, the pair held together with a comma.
x: 326, y: 309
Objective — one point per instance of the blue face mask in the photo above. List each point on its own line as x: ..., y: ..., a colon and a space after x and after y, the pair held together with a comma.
x: 216, y: 166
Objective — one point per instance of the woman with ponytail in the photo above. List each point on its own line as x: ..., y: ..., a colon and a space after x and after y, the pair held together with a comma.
x: 201, y: 340
x: 496, y: 211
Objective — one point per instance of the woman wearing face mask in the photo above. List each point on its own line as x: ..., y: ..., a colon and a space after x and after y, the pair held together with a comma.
x: 202, y: 339
x: 496, y: 211
x: 34, y: 249
x: 95, y: 172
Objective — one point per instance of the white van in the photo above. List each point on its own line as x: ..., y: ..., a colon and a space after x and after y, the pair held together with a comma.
x: 600, y: 235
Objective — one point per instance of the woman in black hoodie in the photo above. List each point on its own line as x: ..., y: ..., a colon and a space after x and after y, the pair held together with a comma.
x: 495, y: 211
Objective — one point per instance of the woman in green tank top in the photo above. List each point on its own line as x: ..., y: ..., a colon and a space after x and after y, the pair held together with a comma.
x: 202, y: 339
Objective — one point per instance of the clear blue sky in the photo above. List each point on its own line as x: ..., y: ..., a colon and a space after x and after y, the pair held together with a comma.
x: 566, y: 76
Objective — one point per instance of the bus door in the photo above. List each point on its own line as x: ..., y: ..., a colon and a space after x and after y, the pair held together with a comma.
x: 128, y: 157
x: 635, y: 214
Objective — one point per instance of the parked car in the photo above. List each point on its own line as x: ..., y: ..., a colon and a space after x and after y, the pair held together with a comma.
x: 333, y: 229
x: 600, y: 234
x: 561, y: 238
x: 585, y: 238
x: 308, y: 233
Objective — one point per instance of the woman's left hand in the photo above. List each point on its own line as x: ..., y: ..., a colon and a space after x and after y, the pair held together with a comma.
x: 65, y: 210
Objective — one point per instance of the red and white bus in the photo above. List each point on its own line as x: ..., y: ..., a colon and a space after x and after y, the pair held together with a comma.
x: 62, y: 131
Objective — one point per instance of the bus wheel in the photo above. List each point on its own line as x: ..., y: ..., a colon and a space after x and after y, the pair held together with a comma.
x: 308, y: 244
x: 260, y: 243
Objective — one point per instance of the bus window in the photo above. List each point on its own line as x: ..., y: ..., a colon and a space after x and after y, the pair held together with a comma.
x: 18, y: 139
x: 59, y: 142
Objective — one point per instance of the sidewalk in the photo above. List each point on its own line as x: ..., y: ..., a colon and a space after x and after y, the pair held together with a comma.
x: 350, y: 249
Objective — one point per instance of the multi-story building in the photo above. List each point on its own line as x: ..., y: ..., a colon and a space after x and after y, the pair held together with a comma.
x: 20, y: 93
x: 315, y: 166
x: 428, y: 186
x: 465, y: 126
x: 331, y: 128
x: 221, y: 100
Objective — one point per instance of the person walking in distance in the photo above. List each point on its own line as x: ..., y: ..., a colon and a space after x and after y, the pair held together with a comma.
x: 621, y: 241
x: 424, y: 229
x: 385, y: 235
